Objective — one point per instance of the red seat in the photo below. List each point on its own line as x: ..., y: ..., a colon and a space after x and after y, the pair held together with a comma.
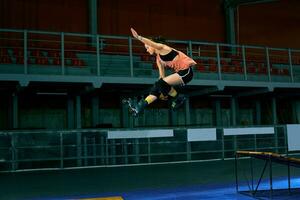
x: 235, y: 62
x: 146, y: 58
x: 238, y: 69
x: 236, y: 57
x: 53, y: 54
x: 237, y: 66
x: 154, y: 66
x: 251, y: 69
x: 77, y: 63
x: 284, y: 72
x: 262, y: 70
x: 275, y: 71
x: 200, y: 68
x: 212, y: 68
x: 3, y: 52
x: 56, y: 61
x: 35, y: 53
x: 5, y: 60
x: 226, y: 68
x: 42, y: 61
x: 18, y: 52
x: 20, y: 60
x: 70, y: 54
x: 200, y: 65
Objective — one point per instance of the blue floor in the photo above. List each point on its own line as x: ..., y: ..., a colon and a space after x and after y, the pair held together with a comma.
x: 210, y: 192
x: 181, y: 181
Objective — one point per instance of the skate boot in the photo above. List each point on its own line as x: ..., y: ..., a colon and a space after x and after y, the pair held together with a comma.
x: 139, y: 107
x: 177, y: 101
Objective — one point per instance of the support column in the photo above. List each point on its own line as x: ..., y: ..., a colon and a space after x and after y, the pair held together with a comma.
x: 70, y: 113
x: 274, y: 111
x: 294, y: 110
x: 78, y: 112
x: 125, y: 114
x: 93, y: 21
x: 78, y: 126
x: 187, y: 111
x: 15, y: 111
x: 218, y: 113
x: 173, y: 117
x: 93, y: 17
x: 230, y: 24
x: 257, y: 112
x: 95, y: 111
x: 233, y: 111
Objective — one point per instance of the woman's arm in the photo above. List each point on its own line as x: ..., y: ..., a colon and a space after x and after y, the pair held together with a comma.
x: 161, y: 69
x: 146, y: 41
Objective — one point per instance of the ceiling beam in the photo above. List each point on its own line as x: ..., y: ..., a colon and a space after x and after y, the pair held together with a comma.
x: 205, y: 91
x: 255, y: 92
x: 235, y: 3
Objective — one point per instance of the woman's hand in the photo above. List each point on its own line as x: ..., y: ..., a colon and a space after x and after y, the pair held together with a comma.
x: 135, y: 34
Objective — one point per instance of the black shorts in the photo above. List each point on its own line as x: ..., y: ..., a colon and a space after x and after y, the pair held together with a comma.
x: 186, y: 75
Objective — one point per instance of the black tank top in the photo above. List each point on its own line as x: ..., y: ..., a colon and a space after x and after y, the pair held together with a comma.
x: 169, y: 56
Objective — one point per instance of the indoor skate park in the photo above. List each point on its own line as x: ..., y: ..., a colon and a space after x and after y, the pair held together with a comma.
x: 67, y: 66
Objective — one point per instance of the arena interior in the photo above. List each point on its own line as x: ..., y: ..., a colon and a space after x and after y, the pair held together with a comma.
x: 67, y: 65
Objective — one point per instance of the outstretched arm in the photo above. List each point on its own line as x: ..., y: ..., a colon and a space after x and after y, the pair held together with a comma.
x: 161, y: 69
x: 146, y: 41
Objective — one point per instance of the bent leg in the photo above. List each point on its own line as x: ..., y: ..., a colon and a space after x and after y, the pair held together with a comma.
x: 177, y: 99
x: 150, y: 98
x: 173, y: 79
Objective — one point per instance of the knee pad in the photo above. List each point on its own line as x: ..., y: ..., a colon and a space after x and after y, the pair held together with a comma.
x: 160, y: 86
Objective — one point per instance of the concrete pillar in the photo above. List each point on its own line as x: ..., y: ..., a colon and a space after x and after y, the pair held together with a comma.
x: 15, y: 111
x: 173, y: 117
x: 230, y: 25
x: 78, y: 126
x: 125, y: 114
x: 95, y: 111
x: 233, y: 112
x: 257, y: 112
x: 294, y: 110
x: 218, y: 113
x: 187, y: 111
x: 78, y: 112
x: 93, y: 21
x: 93, y: 17
x: 274, y: 111
x: 70, y: 113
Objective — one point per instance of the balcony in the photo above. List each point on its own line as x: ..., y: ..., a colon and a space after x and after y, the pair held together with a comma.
x: 29, y: 56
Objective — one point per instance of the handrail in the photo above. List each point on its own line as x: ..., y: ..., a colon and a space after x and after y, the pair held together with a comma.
x: 126, y: 37
x: 244, y: 61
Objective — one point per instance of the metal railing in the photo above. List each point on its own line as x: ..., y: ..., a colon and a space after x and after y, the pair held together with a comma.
x: 103, y: 55
x: 64, y: 149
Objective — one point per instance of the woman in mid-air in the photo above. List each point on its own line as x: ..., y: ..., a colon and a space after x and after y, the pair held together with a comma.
x: 166, y: 56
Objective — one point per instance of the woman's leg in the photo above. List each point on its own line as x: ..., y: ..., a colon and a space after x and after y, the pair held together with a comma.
x: 176, y: 99
x: 161, y: 86
x: 173, y: 80
x: 150, y: 98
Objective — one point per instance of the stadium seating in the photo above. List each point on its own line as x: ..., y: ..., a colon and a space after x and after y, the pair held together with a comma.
x: 230, y: 63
